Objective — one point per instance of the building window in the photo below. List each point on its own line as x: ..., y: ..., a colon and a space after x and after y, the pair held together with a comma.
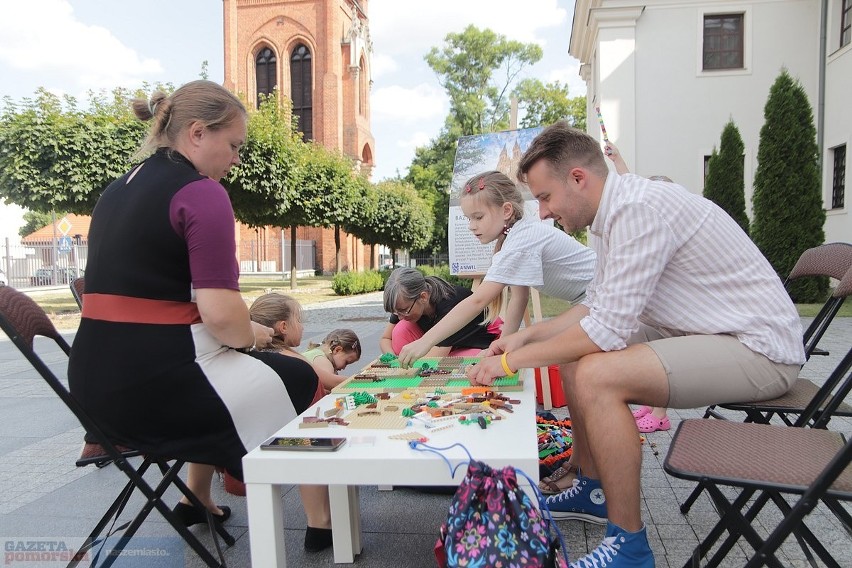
x: 723, y: 41
x: 845, y: 22
x: 301, y: 92
x: 362, y: 88
x: 266, y: 74
x: 838, y: 184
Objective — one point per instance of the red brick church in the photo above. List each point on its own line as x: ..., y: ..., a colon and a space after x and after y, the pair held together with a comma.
x: 317, y: 52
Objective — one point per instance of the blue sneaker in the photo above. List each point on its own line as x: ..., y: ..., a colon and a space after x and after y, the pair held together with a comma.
x: 583, y: 501
x: 619, y: 549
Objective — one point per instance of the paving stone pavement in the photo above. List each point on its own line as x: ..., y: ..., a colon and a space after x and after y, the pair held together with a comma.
x: 46, y: 499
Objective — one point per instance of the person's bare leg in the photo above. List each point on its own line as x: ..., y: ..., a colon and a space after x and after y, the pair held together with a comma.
x: 199, y: 479
x: 659, y: 412
x: 603, y: 386
x: 580, y: 456
x: 316, y: 505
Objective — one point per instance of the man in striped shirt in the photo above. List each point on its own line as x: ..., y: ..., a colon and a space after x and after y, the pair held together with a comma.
x: 683, y: 311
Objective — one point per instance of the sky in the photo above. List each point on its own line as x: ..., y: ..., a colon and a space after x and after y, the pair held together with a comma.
x: 74, y: 46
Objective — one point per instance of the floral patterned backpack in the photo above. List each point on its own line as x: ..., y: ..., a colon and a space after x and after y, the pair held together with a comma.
x: 493, y: 523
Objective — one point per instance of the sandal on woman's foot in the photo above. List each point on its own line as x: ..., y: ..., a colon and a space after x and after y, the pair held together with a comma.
x: 642, y: 411
x: 548, y: 484
x: 650, y: 423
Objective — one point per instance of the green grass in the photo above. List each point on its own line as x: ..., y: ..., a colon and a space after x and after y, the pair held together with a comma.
x: 810, y: 310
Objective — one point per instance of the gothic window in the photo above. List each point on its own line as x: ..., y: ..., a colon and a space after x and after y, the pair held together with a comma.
x: 265, y: 73
x: 362, y: 88
x: 301, y: 89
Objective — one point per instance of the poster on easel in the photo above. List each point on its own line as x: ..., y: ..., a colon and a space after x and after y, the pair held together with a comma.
x: 499, y: 151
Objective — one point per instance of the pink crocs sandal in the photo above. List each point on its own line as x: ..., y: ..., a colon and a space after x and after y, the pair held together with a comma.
x: 642, y: 411
x: 650, y: 423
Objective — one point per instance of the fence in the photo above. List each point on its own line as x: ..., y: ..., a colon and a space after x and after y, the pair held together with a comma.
x: 430, y: 259
x: 265, y: 256
x: 48, y: 263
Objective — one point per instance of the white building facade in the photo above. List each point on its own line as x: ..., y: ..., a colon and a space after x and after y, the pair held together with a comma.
x: 667, y: 76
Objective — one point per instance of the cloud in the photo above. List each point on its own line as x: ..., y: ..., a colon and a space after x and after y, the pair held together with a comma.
x: 382, y: 64
x: 408, y: 105
x: 44, y: 37
x: 571, y: 76
x: 416, y: 140
x: 417, y: 26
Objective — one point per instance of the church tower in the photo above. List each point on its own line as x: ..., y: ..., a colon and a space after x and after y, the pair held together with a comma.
x: 317, y: 52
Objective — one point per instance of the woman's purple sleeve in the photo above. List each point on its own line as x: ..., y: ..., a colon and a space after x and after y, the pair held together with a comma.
x: 201, y: 213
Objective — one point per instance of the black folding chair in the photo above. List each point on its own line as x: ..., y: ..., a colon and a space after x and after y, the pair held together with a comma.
x: 790, y: 406
x: 22, y: 320
x: 773, y: 460
x: 78, y: 286
x: 833, y: 260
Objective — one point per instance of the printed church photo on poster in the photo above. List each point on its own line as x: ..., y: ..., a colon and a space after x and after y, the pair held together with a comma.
x: 499, y: 151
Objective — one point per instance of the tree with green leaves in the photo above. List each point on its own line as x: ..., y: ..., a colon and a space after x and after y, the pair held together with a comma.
x: 725, y: 183
x: 262, y: 188
x: 467, y: 67
x: 431, y: 173
x: 54, y: 156
x: 407, y: 218
x: 545, y: 104
x: 285, y: 182
x: 327, y: 193
x: 365, y: 223
x: 788, y: 209
x: 479, y: 70
x: 35, y: 220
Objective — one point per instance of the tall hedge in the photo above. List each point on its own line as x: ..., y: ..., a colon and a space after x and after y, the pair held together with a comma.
x: 725, y: 184
x: 788, y: 208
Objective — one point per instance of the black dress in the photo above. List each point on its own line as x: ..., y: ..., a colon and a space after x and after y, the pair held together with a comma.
x: 142, y: 363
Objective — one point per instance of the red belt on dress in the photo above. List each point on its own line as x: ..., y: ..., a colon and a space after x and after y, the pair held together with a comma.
x: 126, y: 309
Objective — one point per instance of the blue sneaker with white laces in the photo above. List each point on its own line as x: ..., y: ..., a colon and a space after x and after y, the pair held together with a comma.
x: 619, y: 549
x: 583, y: 501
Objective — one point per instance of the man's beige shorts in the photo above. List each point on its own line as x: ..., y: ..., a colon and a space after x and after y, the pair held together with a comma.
x: 715, y: 369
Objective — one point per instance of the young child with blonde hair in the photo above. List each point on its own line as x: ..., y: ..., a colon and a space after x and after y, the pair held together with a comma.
x: 283, y: 314
x: 340, y: 348
x: 527, y: 253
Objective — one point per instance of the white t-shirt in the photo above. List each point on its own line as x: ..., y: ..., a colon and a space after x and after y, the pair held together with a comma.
x: 539, y: 255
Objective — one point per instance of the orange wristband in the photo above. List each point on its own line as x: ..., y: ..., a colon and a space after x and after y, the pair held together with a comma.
x: 505, y: 364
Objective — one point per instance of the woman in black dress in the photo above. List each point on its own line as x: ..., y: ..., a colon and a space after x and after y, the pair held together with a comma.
x: 160, y: 359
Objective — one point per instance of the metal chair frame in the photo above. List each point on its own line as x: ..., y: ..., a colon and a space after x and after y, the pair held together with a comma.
x: 22, y: 320
x: 737, y: 523
x: 825, y: 260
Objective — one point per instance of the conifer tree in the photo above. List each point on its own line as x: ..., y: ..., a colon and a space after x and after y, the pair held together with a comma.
x: 787, y: 201
x: 725, y: 185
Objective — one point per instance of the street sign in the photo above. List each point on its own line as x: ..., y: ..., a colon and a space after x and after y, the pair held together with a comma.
x: 64, y: 244
x: 64, y: 226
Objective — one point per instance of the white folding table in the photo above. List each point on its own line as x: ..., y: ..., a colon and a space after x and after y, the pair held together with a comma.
x: 511, y: 441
